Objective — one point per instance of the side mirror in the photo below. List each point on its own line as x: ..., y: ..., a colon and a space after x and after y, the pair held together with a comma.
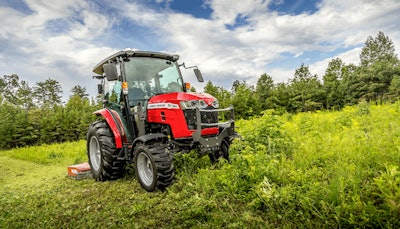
x: 198, y: 75
x: 99, y: 88
x: 110, y: 70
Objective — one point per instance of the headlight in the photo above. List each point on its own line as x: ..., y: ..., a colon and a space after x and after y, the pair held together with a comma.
x: 215, y: 104
x: 191, y: 104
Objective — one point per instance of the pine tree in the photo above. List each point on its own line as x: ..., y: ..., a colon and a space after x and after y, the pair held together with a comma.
x: 48, y: 93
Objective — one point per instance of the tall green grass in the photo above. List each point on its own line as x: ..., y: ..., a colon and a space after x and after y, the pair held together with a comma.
x: 55, y: 154
x: 323, y: 169
x: 334, y: 177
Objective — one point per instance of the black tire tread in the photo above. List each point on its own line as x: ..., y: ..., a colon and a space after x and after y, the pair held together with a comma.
x: 111, y: 168
x: 163, y: 162
x: 222, y: 153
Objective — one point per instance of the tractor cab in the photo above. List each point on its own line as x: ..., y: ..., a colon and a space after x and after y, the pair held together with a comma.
x: 147, y: 77
x: 146, y: 74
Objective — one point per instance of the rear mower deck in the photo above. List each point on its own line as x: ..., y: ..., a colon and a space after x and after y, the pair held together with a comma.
x: 79, y: 171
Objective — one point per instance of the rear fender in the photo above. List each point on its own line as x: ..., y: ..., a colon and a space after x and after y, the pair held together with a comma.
x: 115, y: 123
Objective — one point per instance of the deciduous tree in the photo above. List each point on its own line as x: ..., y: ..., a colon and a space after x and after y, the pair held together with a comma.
x: 264, y: 92
x: 8, y: 87
x: 244, y: 101
x: 223, y: 95
x: 305, y: 90
x: 379, y: 63
x: 332, y: 79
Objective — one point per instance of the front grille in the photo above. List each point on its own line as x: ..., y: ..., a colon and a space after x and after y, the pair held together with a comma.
x: 206, y: 117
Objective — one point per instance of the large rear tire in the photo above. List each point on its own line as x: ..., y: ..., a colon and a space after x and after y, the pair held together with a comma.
x: 154, y: 167
x: 222, y: 153
x: 102, y: 153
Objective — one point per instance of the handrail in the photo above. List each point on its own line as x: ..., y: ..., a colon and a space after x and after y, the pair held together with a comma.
x: 217, y: 123
x: 200, y: 124
x: 216, y: 110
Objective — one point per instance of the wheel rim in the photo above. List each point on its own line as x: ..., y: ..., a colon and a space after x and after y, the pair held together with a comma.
x: 145, y: 169
x: 95, y: 154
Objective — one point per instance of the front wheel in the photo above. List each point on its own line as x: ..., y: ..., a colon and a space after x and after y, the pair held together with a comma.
x: 223, y: 152
x: 153, y: 166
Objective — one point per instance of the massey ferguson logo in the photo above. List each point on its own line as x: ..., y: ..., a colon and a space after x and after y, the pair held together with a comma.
x: 162, y: 106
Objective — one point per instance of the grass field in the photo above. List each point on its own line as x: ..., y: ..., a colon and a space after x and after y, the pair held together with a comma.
x: 323, y: 169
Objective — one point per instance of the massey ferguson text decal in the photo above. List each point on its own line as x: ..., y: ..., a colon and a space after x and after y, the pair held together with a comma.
x: 163, y: 105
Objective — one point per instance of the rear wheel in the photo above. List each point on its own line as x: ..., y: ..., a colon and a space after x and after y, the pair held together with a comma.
x: 154, y: 166
x: 222, y: 153
x: 102, y: 153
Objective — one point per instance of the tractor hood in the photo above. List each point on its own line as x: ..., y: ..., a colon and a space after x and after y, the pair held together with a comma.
x: 185, y: 100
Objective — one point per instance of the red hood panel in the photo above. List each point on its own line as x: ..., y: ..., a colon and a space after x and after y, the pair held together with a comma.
x: 175, y: 97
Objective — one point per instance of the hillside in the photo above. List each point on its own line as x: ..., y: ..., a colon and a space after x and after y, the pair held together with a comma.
x: 331, y: 169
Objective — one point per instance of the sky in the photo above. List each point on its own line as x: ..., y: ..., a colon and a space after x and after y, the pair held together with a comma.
x: 228, y: 40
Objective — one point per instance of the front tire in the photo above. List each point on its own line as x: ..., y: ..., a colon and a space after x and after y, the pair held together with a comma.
x: 102, y: 153
x: 154, y: 167
x: 223, y: 152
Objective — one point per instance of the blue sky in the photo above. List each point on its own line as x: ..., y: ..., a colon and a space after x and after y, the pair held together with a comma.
x: 229, y: 40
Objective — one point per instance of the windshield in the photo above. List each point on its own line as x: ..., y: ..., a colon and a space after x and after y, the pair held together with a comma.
x: 150, y: 76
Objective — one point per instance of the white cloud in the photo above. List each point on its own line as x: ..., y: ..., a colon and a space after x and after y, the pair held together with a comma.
x: 40, y: 51
x: 44, y: 11
x: 281, y: 75
x: 226, y: 11
x: 349, y: 57
x: 93, y: 25
x: 245, y: 50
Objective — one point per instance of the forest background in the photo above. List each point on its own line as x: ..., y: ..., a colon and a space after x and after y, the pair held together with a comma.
x: 35, y: 115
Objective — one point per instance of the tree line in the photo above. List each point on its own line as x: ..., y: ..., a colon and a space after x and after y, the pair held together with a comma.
x: 375, y: 80
x: 36, y: 115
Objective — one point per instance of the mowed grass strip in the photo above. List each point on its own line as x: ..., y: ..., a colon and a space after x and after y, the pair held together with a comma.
x: 19, y: 174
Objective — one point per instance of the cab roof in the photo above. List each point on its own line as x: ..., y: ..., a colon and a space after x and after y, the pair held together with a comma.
x: 98, y: 69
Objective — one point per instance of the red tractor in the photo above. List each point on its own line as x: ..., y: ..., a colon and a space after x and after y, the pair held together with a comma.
x: 148, y: 115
